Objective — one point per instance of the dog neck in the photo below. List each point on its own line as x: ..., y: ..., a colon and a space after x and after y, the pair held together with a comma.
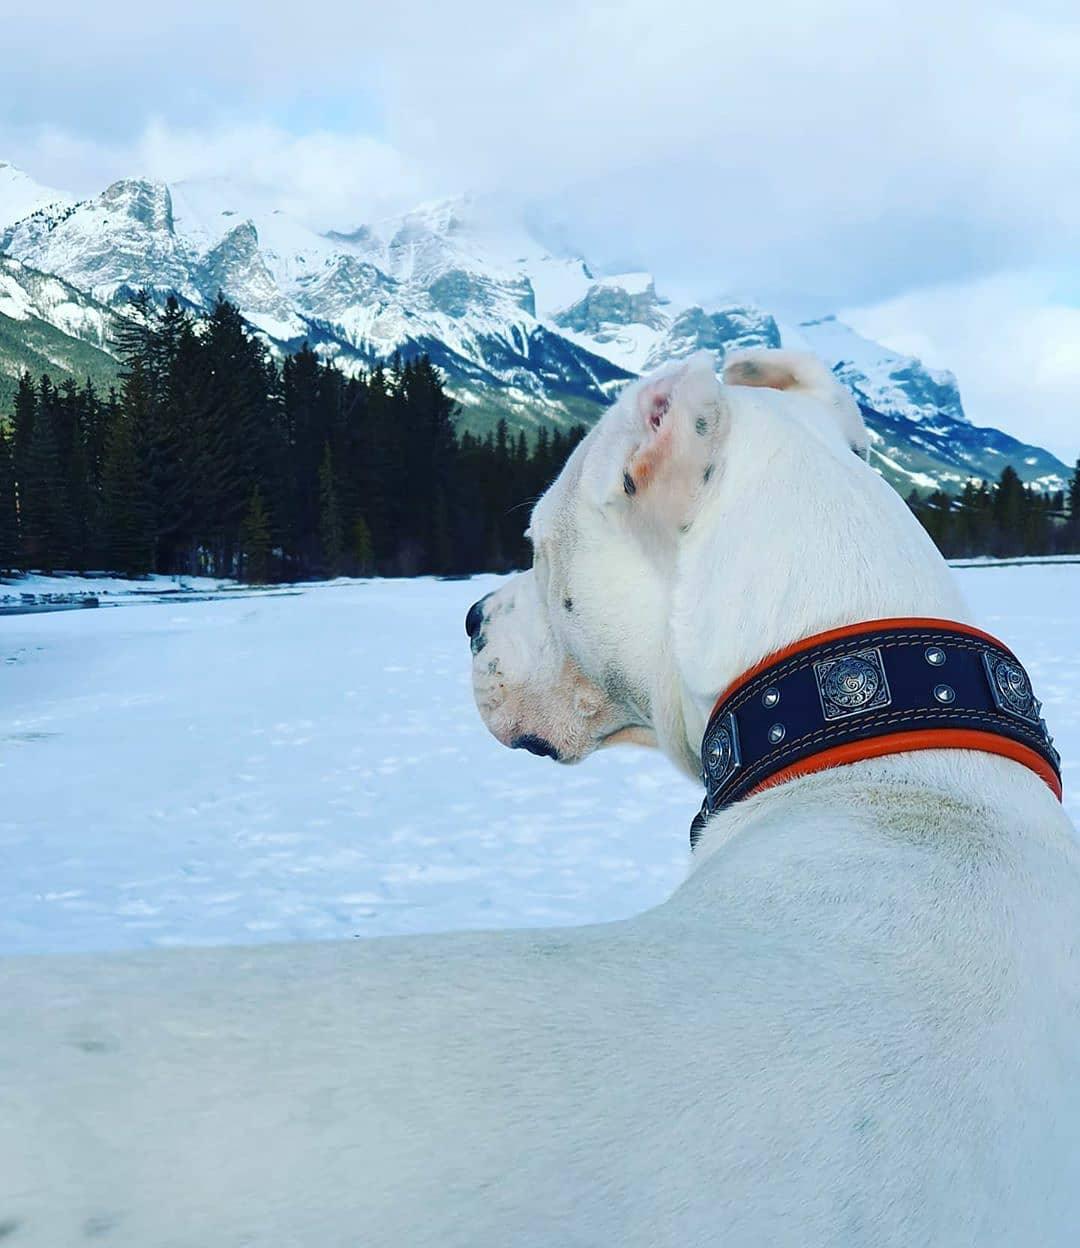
x: 795, y: 537
x: 912, y: 795
x: 868, y: 691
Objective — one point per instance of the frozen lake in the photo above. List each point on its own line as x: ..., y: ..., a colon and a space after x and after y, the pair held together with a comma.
x: 312, y: 767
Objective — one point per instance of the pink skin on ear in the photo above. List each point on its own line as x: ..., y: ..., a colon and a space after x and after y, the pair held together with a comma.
x: 653, y: 404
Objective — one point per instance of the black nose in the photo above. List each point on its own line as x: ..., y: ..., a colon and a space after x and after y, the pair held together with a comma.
x: 475, y: 618
x: 535, y: 745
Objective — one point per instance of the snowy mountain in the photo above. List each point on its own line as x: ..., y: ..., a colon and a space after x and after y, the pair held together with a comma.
x: 521, y: 329
x: 919, y: 433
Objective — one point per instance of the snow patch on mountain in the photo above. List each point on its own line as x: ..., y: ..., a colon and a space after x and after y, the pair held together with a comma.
x: 26, y: 294
x: 21, y: 196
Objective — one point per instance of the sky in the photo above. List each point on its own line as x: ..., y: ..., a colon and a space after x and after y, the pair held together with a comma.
x: 911, y: 166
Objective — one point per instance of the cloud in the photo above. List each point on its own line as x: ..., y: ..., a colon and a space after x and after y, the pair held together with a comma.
x: 328, y: 179
x: 325, y: 178
x: 845, y: 153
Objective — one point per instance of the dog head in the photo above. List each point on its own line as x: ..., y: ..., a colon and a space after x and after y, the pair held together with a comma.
x: 665, y: 549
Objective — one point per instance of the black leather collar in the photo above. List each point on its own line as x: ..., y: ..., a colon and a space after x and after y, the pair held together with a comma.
x: 883, y: 687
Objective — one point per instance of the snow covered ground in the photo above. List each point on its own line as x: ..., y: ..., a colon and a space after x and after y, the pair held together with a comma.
x: 37, y: 589
x: 311, y: 766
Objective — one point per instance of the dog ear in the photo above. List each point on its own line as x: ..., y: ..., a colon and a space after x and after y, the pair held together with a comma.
x: 678, y: 417
x: 803, y: 373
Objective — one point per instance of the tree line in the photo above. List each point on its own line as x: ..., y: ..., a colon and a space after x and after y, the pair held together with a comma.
x: 1005, y: 520
x: 209, y: 457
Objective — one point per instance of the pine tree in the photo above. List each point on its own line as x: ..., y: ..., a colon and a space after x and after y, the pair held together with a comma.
x: 127, y: 521
x: 937, y: 517
x: 1008, y: 515
x: 44, y: 522
x: 972, y: 521
x: 22, y: 430
x: 168, y: 445
x: 378, y: 482
x: 1035, y: 524
x: 1072, y: 527
x: 255, y: 539
x: 228, y: 429
x: 9, y: 520
x: 363, y: 550
x: 135, y: 339
x: 330, y: 537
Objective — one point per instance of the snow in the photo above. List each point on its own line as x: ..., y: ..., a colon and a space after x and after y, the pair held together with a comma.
x: 917, y: 478
x: 884, y: 374
x: 835, y: 341
x: 164, y: 782
x: 632, y: 283
x: 557, y: 283
x: 308, y: 764
x: 39, y: 588
x: 26, y: 294
x: 628, y: 346
x: 20, y: 195
x: 14, y: 301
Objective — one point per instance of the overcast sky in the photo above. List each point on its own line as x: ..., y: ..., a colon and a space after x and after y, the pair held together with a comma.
x: 914, y: 166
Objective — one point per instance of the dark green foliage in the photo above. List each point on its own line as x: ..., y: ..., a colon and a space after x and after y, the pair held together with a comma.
x: 209, y: 458
x: 22, y: 424
x: 1072, y: 525
x: 330, y: 536
x: 9, y: 528
x: 362, y: 551
x: 45, y: 519
x: 255, y: 540
x: 1006, y: 521
x: 128, y: 535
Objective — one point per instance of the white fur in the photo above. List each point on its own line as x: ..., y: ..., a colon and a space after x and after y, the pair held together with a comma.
x: 857, y: 1023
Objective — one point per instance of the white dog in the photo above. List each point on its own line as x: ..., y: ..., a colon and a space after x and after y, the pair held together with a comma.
x: 857, y: 1023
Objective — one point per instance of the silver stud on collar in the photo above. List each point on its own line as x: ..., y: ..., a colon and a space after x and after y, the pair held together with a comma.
x: 722, y: 756
x: 777, y: 733
x: 945, y: 693
x: 935, y: 656
x: 771, y: 697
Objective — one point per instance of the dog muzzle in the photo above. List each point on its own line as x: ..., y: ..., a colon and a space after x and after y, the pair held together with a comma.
x: 864, y: 691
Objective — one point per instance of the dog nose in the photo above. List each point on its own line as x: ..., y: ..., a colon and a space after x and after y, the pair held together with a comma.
x: 535, y: 745
x: 475, y: 617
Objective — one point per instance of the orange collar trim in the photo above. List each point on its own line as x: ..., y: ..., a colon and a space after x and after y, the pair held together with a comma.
x: 865, y: 691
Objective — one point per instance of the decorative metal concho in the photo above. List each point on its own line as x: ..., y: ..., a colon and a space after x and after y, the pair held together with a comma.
x: 1010, y: 687
x: 852, y: 684
x: 721, y: 755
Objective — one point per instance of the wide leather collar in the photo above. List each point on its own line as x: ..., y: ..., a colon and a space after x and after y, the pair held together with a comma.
x: 866, y: 690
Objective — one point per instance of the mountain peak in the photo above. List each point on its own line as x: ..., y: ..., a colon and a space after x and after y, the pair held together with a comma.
x: 144, y: 200
x: 20, y: 195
